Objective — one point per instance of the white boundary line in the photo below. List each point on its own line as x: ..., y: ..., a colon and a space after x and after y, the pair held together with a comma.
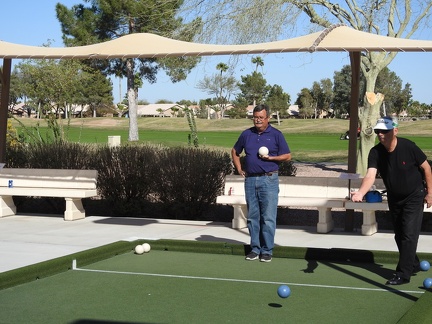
x: 242, y: 280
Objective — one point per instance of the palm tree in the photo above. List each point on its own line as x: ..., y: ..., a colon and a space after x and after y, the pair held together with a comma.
x: 258, y: 61
x: 222, y: 67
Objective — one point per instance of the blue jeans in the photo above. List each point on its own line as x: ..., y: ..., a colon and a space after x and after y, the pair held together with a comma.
x: 262, y: 199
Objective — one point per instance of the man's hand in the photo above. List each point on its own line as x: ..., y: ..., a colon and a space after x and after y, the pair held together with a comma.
x: 356, y: 196
x: 428, y: 200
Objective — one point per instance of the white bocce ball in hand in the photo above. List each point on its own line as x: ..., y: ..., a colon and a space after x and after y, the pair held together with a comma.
x: 263, y: 151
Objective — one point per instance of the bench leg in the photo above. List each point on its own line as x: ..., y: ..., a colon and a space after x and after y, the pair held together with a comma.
x: 325, y: 220
x: 7, y: 206
x: 370, y: 225
x: 240, y: 216
x: 74, y: 209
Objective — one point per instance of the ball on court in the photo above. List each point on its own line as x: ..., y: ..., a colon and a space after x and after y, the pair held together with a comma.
x: 284, y: 291
x: 146, y: 247
x: 139, y: 249
x: 424, y: 265
x: 263, y: 151
x: 427, y: 283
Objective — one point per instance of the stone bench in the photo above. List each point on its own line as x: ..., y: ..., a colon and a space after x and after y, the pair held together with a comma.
x: 73, y: 185
x: 370, y: 225
x: 323, y: 193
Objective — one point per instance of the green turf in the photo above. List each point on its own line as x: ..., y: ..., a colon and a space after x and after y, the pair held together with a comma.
x: 48, y: 268
x: 51, y: 267
x: 421, y: 312
x: 211, y: 282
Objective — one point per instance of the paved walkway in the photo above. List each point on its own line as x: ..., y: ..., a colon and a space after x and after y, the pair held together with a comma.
x: 29, y: 239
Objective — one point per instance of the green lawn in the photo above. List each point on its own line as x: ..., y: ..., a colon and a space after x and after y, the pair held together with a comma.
x: 309, y: 140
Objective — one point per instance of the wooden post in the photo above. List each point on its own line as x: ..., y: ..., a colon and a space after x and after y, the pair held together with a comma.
x: 353, y: 126
x: 4, y: 103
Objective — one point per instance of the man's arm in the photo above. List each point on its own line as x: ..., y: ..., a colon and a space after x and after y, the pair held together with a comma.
x: 428, y: 178
x: 367, y: 182
x: 277, y: 158
x: 236, y: 160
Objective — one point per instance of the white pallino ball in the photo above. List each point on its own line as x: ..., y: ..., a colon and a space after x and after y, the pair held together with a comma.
x: 263, y: 151
x: 146, y: 247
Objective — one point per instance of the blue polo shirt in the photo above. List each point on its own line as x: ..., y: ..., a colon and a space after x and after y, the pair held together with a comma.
x: 250, y: 141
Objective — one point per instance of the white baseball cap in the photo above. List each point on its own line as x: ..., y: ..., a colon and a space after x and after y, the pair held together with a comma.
x: 385, y: 123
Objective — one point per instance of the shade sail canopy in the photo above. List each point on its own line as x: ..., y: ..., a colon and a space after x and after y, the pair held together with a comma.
x: 142, y: 45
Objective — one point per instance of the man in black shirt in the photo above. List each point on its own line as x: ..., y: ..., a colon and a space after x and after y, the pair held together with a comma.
x: 403, y: 167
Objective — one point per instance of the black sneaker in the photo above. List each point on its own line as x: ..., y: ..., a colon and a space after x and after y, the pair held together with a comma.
x: 397, y: 280
x: 266, y: 258
x: 252, y: 256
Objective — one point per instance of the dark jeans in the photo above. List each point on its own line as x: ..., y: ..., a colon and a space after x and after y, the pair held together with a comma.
x: 407, y: 216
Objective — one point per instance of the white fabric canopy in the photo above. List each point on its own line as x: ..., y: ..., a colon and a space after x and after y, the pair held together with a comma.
x: 335, y: 39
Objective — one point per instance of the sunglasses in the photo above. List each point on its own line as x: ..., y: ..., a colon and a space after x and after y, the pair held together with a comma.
x: 382, y: 131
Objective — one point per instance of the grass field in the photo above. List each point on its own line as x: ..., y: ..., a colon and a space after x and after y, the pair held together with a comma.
x: 310, y: 140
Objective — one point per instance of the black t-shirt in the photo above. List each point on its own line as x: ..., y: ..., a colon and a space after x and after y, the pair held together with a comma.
x: 400, y: 169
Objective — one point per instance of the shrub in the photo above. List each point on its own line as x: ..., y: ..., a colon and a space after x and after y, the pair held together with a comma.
x: 190, y: 180
x: 57, y: 155
x: 16, y: 157
x: 126, y: 176
x: 12, y: 136
x: 287, y: 168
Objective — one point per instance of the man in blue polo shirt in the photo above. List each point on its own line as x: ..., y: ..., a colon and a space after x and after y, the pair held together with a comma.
x: 261, y: 180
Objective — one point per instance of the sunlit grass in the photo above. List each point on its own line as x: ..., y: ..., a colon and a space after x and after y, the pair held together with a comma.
x: 309, y: 140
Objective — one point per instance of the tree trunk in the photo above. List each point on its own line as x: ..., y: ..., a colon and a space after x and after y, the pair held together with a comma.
x: 368, y: 116
x: 38, y: 114
x: 133, y: 122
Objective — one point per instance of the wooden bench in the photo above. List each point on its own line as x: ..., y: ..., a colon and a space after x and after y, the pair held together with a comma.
x: 73, y: 185
x: 370, y: 226
x: 323, y: 193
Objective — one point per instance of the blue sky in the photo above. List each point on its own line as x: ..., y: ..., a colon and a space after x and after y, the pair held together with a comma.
x: 31, y: 22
